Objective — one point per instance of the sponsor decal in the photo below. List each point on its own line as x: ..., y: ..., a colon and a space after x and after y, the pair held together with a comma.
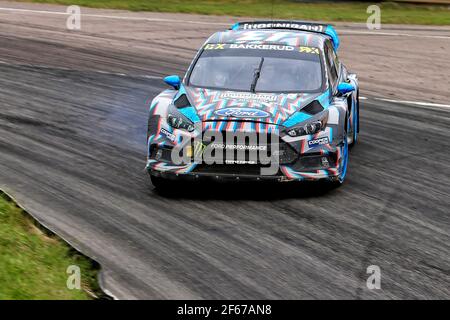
x: 318, y: 142
x: 242, y: 113
x: 285, y: 25
x: 169, y: 135
x: 215, y: 46
x: 240, y: 162
x: 309, y: 50
x: 249, y: 96
x: 196, y: 150
x: 261, y: 47
x: 222, y: 146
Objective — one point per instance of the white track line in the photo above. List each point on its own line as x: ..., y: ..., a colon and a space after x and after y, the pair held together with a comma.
x: 349, y: 32
x: 416, y: 103
x: 115, y: 17
x: 393, y: 34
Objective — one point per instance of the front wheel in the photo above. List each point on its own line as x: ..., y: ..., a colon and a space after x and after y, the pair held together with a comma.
x: 355, y: 130
x: 344, y: 164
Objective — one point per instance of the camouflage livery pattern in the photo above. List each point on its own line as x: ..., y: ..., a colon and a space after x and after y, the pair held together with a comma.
x: 283, y: 111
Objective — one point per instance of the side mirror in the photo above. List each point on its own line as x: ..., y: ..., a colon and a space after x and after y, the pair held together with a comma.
x: 344, y: 88
x: 173, y: 81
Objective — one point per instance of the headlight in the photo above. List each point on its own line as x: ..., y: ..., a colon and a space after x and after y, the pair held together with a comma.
x: 311, y: 127
x: 178, y: 121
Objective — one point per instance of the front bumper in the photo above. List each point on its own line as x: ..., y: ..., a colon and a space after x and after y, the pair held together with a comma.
x: 299, y: 160
x: 242, y: 177
x: 297, y: 171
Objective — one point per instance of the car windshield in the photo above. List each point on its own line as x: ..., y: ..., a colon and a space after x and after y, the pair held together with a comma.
x: 264, y: 68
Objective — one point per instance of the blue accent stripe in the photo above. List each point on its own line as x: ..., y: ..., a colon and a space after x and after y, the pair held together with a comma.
x: 344, y: 161
x: 324, y: 99
x: 190, y: 113
x: 296, y: 118
x: 330, y: 31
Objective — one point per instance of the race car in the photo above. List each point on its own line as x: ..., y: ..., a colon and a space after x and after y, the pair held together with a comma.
x: 264, y: 100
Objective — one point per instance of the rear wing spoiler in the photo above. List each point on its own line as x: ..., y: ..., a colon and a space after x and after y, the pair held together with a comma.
x: 291, y: 25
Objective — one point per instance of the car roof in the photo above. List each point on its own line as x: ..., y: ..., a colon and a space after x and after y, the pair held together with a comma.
x: 282, y: 37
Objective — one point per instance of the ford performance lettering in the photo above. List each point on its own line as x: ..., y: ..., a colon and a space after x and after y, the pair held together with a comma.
x: 242, y: 113
x: 222, y: 146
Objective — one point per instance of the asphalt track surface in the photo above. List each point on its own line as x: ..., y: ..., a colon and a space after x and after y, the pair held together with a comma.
x: 72, y: 144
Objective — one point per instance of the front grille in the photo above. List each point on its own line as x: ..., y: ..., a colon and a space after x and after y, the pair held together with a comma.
x: 235, y: 169
x: 287, y: 153
x: 257, y: 150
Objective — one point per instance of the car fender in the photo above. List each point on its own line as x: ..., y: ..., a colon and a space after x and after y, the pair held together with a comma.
x: 158, y: 109
x: 338, y: 112
x: 354, y: 107
x: 160, y: 104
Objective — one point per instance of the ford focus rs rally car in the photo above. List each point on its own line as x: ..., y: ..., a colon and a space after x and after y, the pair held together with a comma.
x: 263, y: 100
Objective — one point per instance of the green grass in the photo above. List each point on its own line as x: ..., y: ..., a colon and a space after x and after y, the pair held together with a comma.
x: 326, y: 11
x: 33, y: 264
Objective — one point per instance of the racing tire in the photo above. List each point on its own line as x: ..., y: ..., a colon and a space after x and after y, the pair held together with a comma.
x: 345, y: 151
x: 355, y: 123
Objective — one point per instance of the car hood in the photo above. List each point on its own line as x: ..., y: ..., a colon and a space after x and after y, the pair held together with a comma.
x: 222, y: 105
